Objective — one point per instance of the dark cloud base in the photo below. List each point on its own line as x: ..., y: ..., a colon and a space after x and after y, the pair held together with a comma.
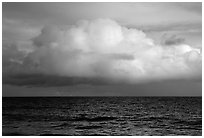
x: 46, y: 80
x: 42, y: 80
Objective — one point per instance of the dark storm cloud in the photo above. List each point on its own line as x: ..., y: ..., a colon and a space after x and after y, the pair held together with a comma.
x: 164, y: 88
x: 42, y: 80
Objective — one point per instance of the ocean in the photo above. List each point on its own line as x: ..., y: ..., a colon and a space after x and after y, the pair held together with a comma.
x: 96, y: 116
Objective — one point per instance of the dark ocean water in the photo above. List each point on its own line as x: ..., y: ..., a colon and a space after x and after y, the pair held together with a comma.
x: 102, y: 116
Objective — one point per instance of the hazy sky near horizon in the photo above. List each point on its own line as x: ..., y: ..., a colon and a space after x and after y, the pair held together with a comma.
x: 102, y: 49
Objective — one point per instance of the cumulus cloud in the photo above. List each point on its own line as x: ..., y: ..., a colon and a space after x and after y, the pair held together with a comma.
x: 103, y: 48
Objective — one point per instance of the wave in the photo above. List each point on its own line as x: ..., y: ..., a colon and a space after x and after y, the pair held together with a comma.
x: 95, y: 119
x: 88, y: 127
x: 20, y: 117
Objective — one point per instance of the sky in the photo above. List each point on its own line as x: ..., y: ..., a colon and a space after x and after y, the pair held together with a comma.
x: 102, y: 49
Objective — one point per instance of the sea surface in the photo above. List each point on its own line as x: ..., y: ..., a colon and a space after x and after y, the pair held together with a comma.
x: 111, y: 116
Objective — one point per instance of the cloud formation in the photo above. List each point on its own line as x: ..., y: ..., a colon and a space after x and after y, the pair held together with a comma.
x: 172, y: 40
x: 103, y: 48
